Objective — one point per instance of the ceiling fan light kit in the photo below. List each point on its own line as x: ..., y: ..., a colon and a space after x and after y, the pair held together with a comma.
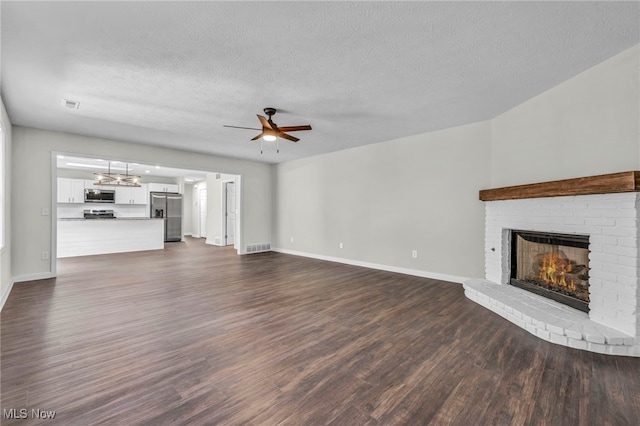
x: 271, y: 132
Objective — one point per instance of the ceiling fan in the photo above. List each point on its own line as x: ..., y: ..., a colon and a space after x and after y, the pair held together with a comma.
x: 270, y: 130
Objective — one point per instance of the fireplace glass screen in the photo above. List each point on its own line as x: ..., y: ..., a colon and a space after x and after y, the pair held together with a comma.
x: 552, y: 265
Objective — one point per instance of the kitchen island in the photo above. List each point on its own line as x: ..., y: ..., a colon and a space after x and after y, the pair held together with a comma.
x: 83, y: 237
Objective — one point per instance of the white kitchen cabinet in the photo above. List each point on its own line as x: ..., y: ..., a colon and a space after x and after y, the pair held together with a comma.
x: 123, y: 195
x: 140, y: 195
x: 91, y: 184
x: 164, y: 187
x: 156, y: 187
x: 70, y: 190
x: 132, y: 195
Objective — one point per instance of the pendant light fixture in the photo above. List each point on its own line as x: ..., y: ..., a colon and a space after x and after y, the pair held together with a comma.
x: 117, y: 179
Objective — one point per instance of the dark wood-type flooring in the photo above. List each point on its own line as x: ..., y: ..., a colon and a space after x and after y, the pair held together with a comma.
x: 195, y: 334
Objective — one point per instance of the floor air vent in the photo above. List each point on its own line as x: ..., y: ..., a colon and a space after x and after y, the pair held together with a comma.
x: 256, y: 248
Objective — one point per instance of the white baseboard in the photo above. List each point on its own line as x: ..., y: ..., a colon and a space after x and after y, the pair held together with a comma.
x: 388, y: 268
x: 5, y: 294
x: 33, y: 277
x: 20, y: 279
x: 213, y: 243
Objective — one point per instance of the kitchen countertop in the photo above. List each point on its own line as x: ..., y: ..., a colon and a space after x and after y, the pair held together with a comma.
x: 110, y: 218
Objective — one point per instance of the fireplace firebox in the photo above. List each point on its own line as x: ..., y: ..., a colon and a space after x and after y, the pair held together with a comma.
x: 552, y: 265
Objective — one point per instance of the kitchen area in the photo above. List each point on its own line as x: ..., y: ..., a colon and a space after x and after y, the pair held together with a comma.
x: 117, y: 207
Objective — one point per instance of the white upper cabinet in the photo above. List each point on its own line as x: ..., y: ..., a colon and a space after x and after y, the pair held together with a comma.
x: 140, y: 195
x: 70, y: 190
x: 91, y: 184
x: 164, y: 187
x: 132, y: 195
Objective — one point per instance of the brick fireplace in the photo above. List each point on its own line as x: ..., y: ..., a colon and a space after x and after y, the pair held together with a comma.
x: 604, y: 208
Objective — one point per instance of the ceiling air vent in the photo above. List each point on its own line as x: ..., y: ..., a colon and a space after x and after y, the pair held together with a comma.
x: 70, y: 104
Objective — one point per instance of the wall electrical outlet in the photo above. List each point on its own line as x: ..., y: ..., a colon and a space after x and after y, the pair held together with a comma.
x: 291, y: 239
x: 414, y: 254
x: 45, y: 255
x: 45, y: 211
x: 340, y: 245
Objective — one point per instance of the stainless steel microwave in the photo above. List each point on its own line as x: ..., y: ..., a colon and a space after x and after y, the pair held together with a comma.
x: 99, y: 196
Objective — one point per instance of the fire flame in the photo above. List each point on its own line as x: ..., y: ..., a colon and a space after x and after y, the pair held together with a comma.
x: 553, y: 270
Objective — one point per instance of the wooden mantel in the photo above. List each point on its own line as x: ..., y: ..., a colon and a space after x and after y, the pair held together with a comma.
x: 601, y: 184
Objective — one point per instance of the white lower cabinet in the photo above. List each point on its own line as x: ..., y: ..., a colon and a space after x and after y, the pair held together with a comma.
x: 82, y: 237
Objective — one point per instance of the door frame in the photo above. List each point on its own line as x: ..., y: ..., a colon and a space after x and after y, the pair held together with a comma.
x: 206, y: 210
x: 223, y: 212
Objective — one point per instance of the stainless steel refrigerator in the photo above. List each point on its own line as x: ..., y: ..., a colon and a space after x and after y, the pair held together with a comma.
x: 169, y: 207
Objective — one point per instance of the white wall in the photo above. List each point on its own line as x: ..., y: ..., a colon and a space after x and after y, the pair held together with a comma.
x: 588, y: 125
x: 421, y: 192
x: 382, y: 201
x: 187, y: 209
x: 33, y: 149
x: 5, y: 254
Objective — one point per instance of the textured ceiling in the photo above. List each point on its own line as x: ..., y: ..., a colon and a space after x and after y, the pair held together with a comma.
x: 173, y: 73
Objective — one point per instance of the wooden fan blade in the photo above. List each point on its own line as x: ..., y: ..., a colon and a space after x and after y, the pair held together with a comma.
x: 295, y: 128
x: 238, y: 127
x: 264, y: 122
x: 286, y: 136
x: 257, y: 137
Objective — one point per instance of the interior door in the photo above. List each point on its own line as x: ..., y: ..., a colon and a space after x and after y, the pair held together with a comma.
x: 203, y: 213
x: 230, y: 212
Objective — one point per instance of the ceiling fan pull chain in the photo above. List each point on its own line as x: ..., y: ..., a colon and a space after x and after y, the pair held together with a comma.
x: 260, y: 145
x: 277, y: 146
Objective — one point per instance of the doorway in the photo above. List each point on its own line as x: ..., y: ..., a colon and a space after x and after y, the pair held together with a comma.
x: 74, y: 166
